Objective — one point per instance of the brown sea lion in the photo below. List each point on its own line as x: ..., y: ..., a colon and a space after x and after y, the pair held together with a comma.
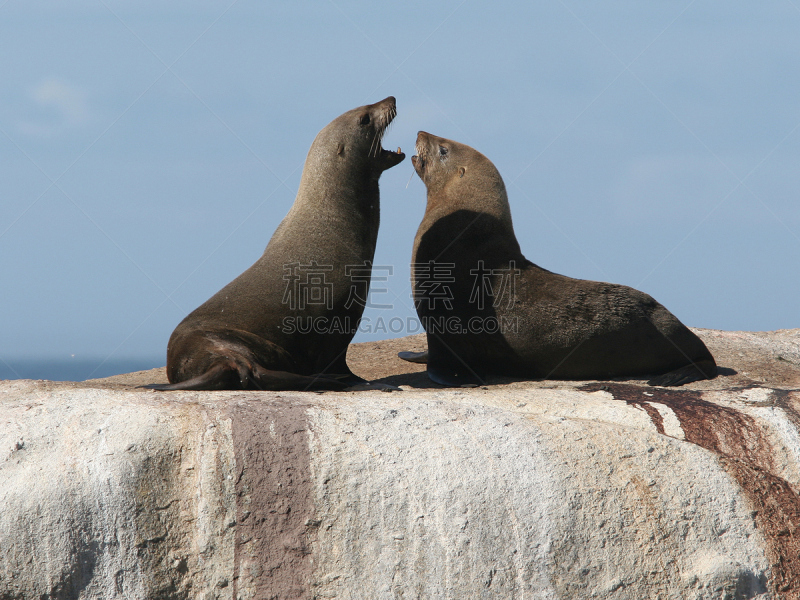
x: 286, y: 322
x: 487, y: 310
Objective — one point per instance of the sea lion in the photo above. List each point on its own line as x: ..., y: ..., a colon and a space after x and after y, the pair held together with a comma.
x: 285, y: 323
x: 487, y: 310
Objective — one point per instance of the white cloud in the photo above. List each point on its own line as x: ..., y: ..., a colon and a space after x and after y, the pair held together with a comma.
x: 58, y: 106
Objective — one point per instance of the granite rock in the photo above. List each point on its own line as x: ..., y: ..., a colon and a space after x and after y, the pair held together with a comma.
x: 540, y: 489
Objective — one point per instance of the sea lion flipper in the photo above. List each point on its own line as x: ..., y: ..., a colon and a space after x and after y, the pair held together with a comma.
x: 450, y: 378
x: 704, y: 369
x: 368, y: 386
x: 159, y: 387
x: 359, y: 384
x: 218, y: 377
x: 269, y: 379
x: 414, y: 357
x: 231, y: 374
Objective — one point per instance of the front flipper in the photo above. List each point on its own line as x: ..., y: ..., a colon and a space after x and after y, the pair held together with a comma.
x: 414, y: 357
x: 698, y: 371
x: 453, y: 362
x: 359, y: 384
x: 368, y: 386
x: 454, y: 377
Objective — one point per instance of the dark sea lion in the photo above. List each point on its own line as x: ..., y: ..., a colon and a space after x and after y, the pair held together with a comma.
x: 487, y: 310
x: 285, y: 323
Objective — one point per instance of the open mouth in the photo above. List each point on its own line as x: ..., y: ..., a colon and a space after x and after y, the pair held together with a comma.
x: 392, y: 153
x: 418, y: 160
x: 425, y: 154
x: 386, y: 119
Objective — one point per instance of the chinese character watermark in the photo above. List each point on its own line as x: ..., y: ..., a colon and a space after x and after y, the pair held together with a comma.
x: 496, y: 283
x: 430, y: 279
x: 312, y: 285
x: 360, y: 277
x: 307, y: 285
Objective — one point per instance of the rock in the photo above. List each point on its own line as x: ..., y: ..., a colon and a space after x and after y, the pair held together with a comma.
x: 541, y: 489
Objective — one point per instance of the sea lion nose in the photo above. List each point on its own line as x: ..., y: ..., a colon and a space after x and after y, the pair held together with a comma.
x: 389, y: 100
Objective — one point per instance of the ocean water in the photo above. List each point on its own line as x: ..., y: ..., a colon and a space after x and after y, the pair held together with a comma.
x: 73, y: 369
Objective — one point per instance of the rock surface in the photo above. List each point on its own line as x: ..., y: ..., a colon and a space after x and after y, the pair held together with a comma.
x: 542, y: 489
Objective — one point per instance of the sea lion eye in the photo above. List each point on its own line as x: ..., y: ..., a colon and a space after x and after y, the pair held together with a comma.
x: 364, y: 120
x: 442, y: 151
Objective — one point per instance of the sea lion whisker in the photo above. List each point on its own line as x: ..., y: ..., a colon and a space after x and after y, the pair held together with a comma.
x: 375, y: 146
x: 372, y: 144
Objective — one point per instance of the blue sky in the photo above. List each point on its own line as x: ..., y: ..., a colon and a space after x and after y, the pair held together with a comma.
x: 148, y: 152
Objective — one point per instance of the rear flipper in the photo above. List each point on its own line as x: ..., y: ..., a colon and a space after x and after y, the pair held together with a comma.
x: 227, y: 374
x: 414, y: 357
x: 703, y: 369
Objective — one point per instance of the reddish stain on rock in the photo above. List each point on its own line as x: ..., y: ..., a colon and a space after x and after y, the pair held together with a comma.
x: 272, y: 556
x: 789, y: 401
x: 744, y: 451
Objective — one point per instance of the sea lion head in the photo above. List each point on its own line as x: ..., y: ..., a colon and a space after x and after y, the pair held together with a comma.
x: 352, y: 141
x: 458, y: 176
